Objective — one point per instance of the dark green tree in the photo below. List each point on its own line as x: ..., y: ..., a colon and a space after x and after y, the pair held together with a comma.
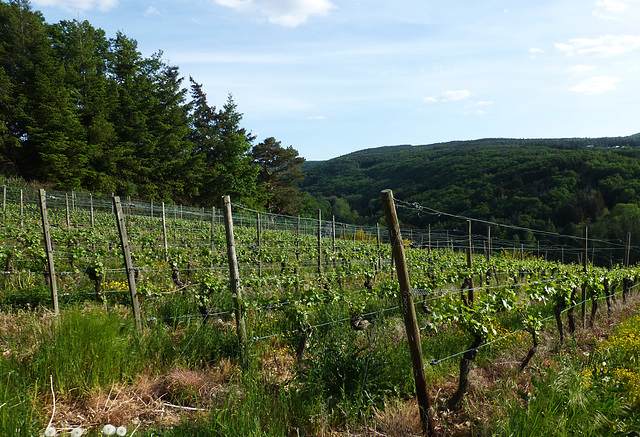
x: 40, y: 113
x: 280, y: 170
x: 83, y: 51
x: 172, y: 160
x: 222, y: 148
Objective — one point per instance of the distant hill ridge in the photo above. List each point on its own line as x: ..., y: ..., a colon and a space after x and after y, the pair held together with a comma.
x: 548, y: 184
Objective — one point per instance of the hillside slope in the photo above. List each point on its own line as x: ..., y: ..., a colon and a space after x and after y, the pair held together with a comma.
x: 554, y: 185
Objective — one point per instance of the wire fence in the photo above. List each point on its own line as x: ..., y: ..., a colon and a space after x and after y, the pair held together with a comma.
x: 294, y: 266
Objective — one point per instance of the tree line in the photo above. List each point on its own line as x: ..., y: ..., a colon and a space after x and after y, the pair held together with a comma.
x: 557, y: 186
x: 79, y: 110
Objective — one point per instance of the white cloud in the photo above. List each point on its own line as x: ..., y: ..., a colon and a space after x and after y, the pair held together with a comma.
x: 596, y: 84
x: 582, y: 68
x: 534, y: 51
x: 317, y: 117
x: 290, y: 13
x: 477, y: 106
x: 610, y: 9
x: 449, y: 96
x: 608, y: 45
x: 78, y: 5
x: 152, y: 11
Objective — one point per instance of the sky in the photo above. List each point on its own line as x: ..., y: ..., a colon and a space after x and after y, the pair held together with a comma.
x: 329, y: 77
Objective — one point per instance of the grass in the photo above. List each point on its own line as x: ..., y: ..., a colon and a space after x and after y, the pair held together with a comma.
x: 184, y: 379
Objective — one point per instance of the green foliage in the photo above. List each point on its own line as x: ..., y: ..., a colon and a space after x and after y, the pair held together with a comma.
x: 83, y: 111
x: 83, y: 350
x: 280, y: 169
x: 17, y: 415
x: 547, y: 185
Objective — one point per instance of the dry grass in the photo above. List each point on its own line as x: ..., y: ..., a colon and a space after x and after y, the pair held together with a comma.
x: 150, y: 402
x: 187, y: 394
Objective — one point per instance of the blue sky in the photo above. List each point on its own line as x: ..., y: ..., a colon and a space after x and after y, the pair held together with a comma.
x: 329, y: 77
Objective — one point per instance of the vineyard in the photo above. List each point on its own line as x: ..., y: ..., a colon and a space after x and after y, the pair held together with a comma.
x: 240, y: 322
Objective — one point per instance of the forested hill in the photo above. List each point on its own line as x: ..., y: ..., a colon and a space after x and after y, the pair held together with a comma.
x: 552, y: 185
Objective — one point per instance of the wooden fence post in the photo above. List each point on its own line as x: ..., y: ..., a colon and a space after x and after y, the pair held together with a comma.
x: 234, y: 279
x: 470, y: 292
x: 212, y: 234
x: 320, y: 242
x: 93, y: 221
x: 66, y: 198
x: 408, y: 309
x: 49, y: 250
x: 259, y: 232
x: 164, y: 234
x: 585, y: 268
x: 333, y: 232
x: 126, y: 252
x: 627, y: 249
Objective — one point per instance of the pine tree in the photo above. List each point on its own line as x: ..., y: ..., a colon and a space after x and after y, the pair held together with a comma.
x: 222, y: 148
x: 280, y: 170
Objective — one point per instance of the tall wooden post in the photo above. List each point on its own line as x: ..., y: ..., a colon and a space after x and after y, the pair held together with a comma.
x: 627, y: 249
x: 93, y: 221
x: 408, y: 309
x: 49, y: 250
x: 126, y: 251
x: 379, y: 259
x: 259, y: 231
x: 234, y: 279
x: 320, y: 242
x: 66, y: 198
x: 469, y: 264
x: 585, y: 264
x: 212, y: 234
x: 333, y: 232
x: 164, y: 234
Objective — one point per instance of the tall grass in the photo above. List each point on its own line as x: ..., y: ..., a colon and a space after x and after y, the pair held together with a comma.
x: 84, y: 349
x: 597, y: 396
x: 17, y: 413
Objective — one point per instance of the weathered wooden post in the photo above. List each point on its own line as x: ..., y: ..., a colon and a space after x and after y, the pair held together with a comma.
x: 49, y: 249
x: 126, y: 252
x: 333, y: 232
x: 259, y: 232
x: 320, y: 242
x: 627, y: 249
x: 164, y: 234
x: 93, y: 221
x: 234, y: 279
x: 469, y: 265
x: 212, y: 234
x: 408, y: 309
x: 585, y: 264
x: 66, y: 197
